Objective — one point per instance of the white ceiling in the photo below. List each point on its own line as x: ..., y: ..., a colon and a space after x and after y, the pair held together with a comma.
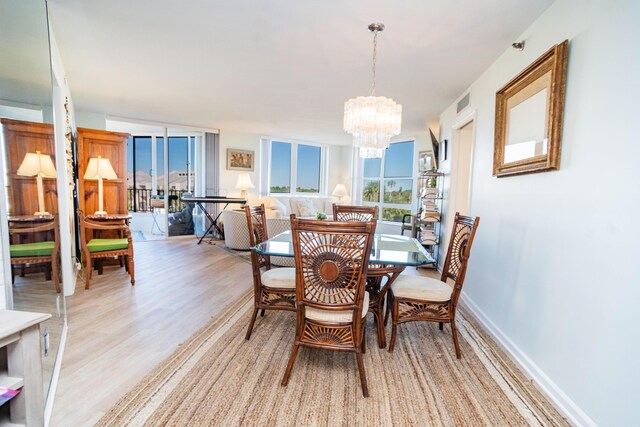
x: 278, y: 67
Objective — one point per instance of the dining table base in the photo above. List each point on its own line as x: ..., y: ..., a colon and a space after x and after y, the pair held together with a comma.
x: 378, y: 287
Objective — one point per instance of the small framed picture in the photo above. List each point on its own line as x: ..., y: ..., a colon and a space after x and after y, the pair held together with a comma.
x: 425, y: 161
x: 240, y: 160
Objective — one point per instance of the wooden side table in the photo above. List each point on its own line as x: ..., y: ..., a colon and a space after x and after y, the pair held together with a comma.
x: 21, y: 365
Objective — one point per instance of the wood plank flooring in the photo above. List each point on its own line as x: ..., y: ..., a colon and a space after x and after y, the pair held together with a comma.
x: 118, y: 333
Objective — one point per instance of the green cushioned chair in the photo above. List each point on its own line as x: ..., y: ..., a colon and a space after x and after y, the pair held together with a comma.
x: 45, y: 252
x: 100, y: 248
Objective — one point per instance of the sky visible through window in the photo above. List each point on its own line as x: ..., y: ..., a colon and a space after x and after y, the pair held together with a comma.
x: 280, y: 167
x: 307, y: 175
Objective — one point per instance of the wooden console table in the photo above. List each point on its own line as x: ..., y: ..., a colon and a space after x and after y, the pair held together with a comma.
x: 21, y: 366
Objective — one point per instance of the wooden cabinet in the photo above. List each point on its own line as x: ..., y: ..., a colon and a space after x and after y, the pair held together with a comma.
x: 21, y: 367
x: 108, y: 145
x: 21, y: 138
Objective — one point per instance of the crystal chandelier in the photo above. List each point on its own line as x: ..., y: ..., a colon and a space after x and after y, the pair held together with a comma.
x: 372, y: 120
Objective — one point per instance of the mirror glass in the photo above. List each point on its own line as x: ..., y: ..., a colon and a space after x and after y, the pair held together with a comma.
x: 28, y: 149
x: 527, y: 122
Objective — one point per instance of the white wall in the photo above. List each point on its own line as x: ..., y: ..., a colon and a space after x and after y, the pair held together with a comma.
x: 554, y: 269
x: 228, y: 179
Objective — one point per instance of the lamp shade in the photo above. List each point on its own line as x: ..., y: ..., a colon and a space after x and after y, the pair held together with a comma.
x: 35, y: 164
x: 100, y: 168
x: 244, y: 182
x: 340, y: 191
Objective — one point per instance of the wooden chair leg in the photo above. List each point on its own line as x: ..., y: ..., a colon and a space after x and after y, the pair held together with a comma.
x: 363, y: 343
x: 87, y: 277
x: 100, y: 266
x: 363, y: 376
x: 131, y: 269
x: 382, y: 341
x: 22, y: 270
x: 394, y: 327
x: 454, y: 333
x: 441, y: 326
x: 388, y: 308
x: 13, y: 276
x: 126, y: 262
x: 122, y: 264
x: 262, y: 313
x: 47, y: 272
x: 292, y: 359
x: 253, y: 320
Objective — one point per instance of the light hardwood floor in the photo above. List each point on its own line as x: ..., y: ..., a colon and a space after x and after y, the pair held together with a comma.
x: 119, y: 333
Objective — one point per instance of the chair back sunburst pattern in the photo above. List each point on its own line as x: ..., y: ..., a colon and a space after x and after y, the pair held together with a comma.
x: 455, y: 265
x: 331, y: 262
x: 350, y: 213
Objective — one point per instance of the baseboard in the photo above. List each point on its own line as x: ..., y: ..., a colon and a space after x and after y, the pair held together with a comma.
x: 48, y: 407
x: 563, y: 402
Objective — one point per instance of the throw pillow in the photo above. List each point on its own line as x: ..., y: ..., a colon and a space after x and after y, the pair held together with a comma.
x: 279, y: 206
x: 306, y: 208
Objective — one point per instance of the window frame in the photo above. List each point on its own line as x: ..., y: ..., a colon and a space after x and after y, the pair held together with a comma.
x: 382, y: 180
x: 293, y: 184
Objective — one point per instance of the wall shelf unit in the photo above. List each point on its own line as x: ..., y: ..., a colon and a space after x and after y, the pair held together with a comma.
x: 427, y: 224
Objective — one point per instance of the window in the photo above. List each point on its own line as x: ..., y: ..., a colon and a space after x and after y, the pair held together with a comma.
x: 388, y: 182
x: 297, y: 167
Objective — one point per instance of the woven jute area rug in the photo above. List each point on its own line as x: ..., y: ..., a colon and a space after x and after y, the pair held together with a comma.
x: 218, y: 378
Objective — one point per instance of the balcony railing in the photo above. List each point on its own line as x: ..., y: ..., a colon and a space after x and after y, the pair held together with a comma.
x: 139, y: 199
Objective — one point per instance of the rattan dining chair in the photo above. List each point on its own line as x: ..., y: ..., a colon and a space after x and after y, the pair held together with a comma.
x: 273, y: 289
x: 377, y: 272
x: 331, y: 302
x: 418, y: 298
x: 354, y: 213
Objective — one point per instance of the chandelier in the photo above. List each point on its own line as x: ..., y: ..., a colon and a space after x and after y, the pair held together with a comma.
x: 372, y: 120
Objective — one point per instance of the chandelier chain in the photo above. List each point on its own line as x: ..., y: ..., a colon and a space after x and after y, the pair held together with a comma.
x: 373, y: 70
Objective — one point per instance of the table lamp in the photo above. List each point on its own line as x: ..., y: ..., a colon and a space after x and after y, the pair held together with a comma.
x: 244, y: 183
x: 99, y: 168
x: 40, y: 166
x: 340, y: 191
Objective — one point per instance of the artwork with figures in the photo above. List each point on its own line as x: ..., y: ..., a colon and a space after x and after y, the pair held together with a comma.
x: 240, y: 160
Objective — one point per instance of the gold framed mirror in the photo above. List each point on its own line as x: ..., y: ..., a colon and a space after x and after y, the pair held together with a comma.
x: 529, y: 110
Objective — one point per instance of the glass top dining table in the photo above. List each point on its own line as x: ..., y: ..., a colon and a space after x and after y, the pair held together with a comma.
x: 388, y: 249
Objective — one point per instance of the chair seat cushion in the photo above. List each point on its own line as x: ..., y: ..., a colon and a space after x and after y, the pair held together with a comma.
x: 32, y: 249
x: 101, y: 245
x: 335, y: 316
x: 423, y: 288
x: 279, y: 278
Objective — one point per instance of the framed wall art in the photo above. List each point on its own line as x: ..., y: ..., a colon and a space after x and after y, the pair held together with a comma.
x: 529, y: 112
x: 240, y: 160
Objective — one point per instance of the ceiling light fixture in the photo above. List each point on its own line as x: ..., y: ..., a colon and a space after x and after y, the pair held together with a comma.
x: 372, y: 120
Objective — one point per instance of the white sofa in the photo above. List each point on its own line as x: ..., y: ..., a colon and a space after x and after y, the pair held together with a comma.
x: 278, y: 209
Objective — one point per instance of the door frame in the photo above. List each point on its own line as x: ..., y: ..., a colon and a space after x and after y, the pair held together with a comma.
x: 462, y: 121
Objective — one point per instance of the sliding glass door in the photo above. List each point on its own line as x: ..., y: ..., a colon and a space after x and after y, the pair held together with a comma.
x: 151, y: 179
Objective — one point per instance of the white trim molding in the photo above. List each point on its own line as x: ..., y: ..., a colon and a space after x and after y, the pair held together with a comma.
x: 546, y: 385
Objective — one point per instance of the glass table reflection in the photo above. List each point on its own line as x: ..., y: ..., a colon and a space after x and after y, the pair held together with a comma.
x: 387, y: 249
